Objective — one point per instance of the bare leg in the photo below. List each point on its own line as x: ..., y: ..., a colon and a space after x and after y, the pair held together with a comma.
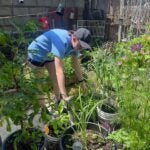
x: 52, y: 73
x: 38, y: 73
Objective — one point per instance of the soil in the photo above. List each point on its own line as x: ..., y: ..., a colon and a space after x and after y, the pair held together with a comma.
x: 95, y: 141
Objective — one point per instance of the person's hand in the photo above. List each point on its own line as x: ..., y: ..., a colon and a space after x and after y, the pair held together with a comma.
x: 66, y: 98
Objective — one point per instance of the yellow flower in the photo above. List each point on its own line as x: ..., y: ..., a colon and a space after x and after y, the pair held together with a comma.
x: 46, y: 130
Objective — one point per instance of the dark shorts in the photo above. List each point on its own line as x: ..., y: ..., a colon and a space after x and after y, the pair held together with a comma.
x: 39, y: 64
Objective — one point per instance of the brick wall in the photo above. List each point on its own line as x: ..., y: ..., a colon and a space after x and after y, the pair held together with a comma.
x: 11, y: 11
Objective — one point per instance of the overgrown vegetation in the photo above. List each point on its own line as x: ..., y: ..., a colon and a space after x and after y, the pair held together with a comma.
x: 119, y: 72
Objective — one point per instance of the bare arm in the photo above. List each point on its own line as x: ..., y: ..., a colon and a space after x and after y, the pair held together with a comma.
x: 61, y: 78
x: 60, y: 75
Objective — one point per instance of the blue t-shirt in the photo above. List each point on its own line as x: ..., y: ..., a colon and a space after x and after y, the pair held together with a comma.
x: 55, y: 42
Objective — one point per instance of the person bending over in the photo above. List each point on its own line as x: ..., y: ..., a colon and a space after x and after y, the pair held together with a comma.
x: 48, y: 50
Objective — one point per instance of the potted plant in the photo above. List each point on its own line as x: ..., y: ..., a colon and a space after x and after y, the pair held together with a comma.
x: 90, y: 138
x: 56, y: 126
x: 107, y: 116
x: 15, y: 107
x: 82, y: 133
x: 105, y: 84
x: 18, y: 97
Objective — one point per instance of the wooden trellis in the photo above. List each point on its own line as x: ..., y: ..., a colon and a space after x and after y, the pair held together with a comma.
x: 135, y: 12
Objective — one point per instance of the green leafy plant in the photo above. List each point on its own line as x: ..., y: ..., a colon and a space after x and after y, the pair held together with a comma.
x: 58, y: 122
x: 31, y: 26
x: 13, y: 62
x: 129, y: 140
x: 134, y: 106
x: 18, y: 94
x: 69, y: 71
x: 126, y: 71
x: 5, y: 47
x: 4, y: 38
x: 104, y: 67
x: 15, y: 107
x: 82, y: 110
x: 133, y: 76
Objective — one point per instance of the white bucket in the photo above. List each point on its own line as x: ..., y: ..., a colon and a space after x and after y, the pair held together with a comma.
x: 106, y: 116
x: 106, y: 119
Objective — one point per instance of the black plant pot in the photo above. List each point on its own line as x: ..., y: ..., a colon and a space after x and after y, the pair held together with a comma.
x: 52, y: 143
x: 9, y: 141
x: 71, y: 130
